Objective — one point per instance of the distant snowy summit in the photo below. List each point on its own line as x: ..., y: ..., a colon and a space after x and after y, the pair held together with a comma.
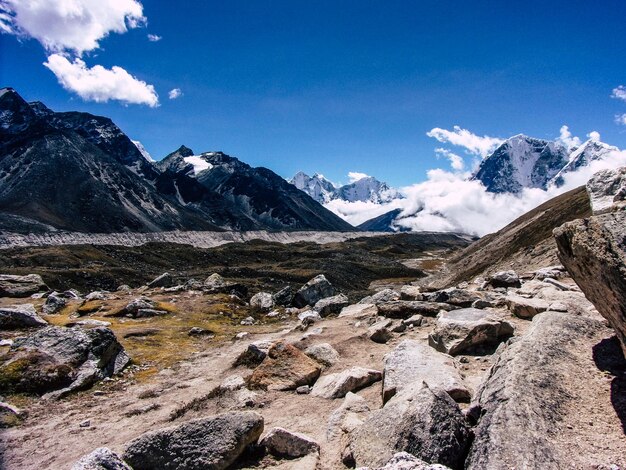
x: 365, y: 189
x: 526, y: 162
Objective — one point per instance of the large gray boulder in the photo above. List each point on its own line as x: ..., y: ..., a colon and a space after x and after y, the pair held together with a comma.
x: 60, y: 360
x: 20, y: 316
x: 339, y: 384
x: 504, y: 279
x: 216, y: 284
x: 413, y: 361
x: 407, y: 308
x: 212, y: 443
x: 466, y: 328
x: 101, y: 459
x: 21, y: 286
x: 422, y: 421
x: 385, y: 295
x: 313, y: 291
x: 524, y: 307
x: 323, y: 353
x: 528, y: 392
x: 594, y: 253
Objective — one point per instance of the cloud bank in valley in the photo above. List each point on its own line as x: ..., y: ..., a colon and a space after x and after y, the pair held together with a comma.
x: 449, y: 202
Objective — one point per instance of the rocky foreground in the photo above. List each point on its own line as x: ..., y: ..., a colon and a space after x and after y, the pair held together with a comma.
x: 508, y: 370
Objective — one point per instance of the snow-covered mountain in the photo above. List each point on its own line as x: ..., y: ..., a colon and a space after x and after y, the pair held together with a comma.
x: 366, y: 189
x: 526, y: 162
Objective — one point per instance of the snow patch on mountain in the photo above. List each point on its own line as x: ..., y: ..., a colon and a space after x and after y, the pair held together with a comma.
x: 199, y: 164
x: 142, y: 150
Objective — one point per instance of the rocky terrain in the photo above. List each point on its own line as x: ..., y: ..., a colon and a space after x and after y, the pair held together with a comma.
x: 463, y: 362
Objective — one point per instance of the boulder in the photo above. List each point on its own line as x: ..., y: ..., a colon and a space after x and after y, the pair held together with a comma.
x: 323, y: 353
x: 406, y: 461
x: 413, y: 361
x: 422, y: 421
x: 460, y: 330
x: 54, y: 303
x: 20, y: 316
x: 316, y: 289
x: 527, y: 308
x: 338, y: 385
x: 101, y: 459
x: 197, y: 331
x: 331, y: 305
x: 350, y: 414
x: 415, y: 320
x: 96, y: 295
x: 528, y: 392
x: 454, y: 296
x: 283, y: 297
x: 385, y: 295
x: 164, y: 280
x: 309, y: 317
x: 21, y: 286
x: 262, y: 302
x: 284, y: 368
x: 504, y: 279
x: 359, y: 311
x: 411, y: 293
x: 149, y: 312
x: 593, y: 252
x: 60, y: 360
x: 553, y: 272
x: 380, y: 332
x: 607, y: 190
x: 402, y: 309
x: 254, y: 354
x: 216, y: 284
x: 207, y: 443
x: 293, y: 445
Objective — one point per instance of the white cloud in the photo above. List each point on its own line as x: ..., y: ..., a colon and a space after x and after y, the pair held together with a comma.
x: 154, y: 37
x: 448, y: 202
x: 619, y: 93
x: 456, y: 162
x: 70, y: 25
x: 620, y: 119
x: 355, y: 176
x: 473, y: 143
x: 100, y: 84
x: 594, y: 136
x: 175, y: 93
x: 567, y: 139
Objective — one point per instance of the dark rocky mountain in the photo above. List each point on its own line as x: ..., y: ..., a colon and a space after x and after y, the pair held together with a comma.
x: 80, y: 172
x: 382, y: 223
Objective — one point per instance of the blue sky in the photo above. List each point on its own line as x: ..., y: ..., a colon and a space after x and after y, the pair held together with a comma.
x: 340, y: 86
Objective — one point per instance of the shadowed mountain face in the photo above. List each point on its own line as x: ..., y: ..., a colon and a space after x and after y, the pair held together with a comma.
x: 75, y: 171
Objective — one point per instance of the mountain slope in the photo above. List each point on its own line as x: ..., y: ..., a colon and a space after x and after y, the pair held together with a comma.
x: 79, y: 172
x: 364, y: 189
x: 259, y: 197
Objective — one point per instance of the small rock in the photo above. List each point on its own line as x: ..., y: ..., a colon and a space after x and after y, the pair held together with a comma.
x: 54, y: 303
x: 96, y: 295
x: 359, y: 311
x: 283, y: 443
x: 401, y: 309
x: 338, y: 385
x: 85, y: 424
x: 262, y: 302
x: 309, y: 317
x: 314, y: 290
x: 410, y: 293
x: 323, y: 353
x: 379, y: 332
x: 331, y: 305
x: 149, y: 312
x: 526, y: 308
x: 415, y: 320
x: 248, y: 321
x: 253, y: 354
x: 164, y: 280
x: 242, y: 335
x: 350, y: 414
x: 197, y: 331
x: 385, y: 295
x: 303, y: 390
x: 284, y: 368
x: 504, y: 279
